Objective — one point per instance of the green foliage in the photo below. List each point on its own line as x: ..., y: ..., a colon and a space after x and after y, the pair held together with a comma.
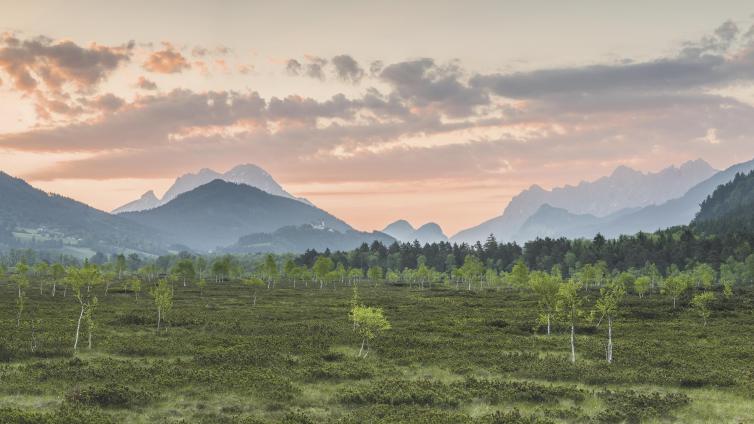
x: 700, y: 303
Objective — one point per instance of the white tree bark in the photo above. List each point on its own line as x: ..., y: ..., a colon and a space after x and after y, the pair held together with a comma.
x: 573, y: 344
x: 609, y: 340
x: 78, y: 328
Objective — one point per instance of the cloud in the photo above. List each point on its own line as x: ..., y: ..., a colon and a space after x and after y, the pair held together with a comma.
x: 146, y: 84
x: 166, y: 61
x: 713, y: 61
x: 315, y: 67
x: 347, y: 69
x: 293, y: 67
x: 57, y: 64
x: 423, y: 83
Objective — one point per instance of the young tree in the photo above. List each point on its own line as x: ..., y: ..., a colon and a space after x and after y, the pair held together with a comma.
x: 254, y: 283
x: 675, y: 285
x: 519, y: 274
x: 607, y: 307
x: 321, y: 267
x: 704, y: 276
x: 135, y: 285
x: 355, y: 275
x: 290, y: 271
x: 79, y: 279
x: 545, y: 287
x: 472, y: 269
x: 701, y: 304
x: 369, y: 323
x: 270, y: 270
x: 201, y: 283
x: 21, y: 279
x: 57, y: 274
x: 568, y: 306
x: 184, y: 271
x: 120, y: 265
x: 641, y: 285
x: 163, y: 300
x: 727, y: 289
x: 374, y: 273
x: 41, y: 273
x: 89, y: 319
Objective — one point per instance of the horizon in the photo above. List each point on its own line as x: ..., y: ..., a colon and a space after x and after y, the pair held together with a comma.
x: 426, y: 122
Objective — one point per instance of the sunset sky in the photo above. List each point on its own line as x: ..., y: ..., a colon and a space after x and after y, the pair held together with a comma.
x: 429, y: 111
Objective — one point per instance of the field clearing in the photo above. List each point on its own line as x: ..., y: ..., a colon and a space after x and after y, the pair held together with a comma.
x: 452, y: 356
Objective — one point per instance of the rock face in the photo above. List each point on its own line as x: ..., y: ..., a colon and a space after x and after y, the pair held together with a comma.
x: 624, y: 189
x: 147, y: 201
x: 248, y: 174
x: 404, y: 232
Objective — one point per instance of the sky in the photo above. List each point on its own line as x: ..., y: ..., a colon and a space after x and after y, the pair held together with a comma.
x: 375, y: 111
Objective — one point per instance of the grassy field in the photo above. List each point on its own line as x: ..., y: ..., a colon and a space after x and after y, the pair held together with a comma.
x: 452, y: 356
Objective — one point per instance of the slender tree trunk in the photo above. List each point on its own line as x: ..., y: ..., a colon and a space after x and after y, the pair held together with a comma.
x: 609, y: 340
x: 78, y: 329
x: 159, y: 318
x: 673, y: 302
x: 548, y: 324
x: 362, y: 346
x: 254, y: 303
x: 90, y: 340
x: 573, y: 343
x: 54, y: 285
x: 367, y: 352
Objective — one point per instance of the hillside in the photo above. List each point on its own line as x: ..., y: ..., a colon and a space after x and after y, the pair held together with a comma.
x: 297, y: 239
x: 53, y: 221
x: 729, y: 208
x: 216, y: 214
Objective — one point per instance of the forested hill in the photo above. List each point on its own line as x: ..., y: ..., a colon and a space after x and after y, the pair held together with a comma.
x: 25, y: 207
x: 729, y: 208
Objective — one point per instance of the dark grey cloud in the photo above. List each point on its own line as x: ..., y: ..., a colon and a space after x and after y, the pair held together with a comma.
x: 316, y: 67
x: 716, y: 60
x: 347, y: 68
x: 423, y: 83
x: 293, y: 67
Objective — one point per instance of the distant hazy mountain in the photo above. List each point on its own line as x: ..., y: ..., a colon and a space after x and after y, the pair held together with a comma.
x: 242, y: 174
x: 217, y: 213
x: 402, y: 231
x: 58, y: 222
x: 297, y: 239
x: 553, y: 222
x: 624, y: 188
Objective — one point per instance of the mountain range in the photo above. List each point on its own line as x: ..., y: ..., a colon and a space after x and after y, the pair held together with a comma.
x: 216, y: 214
x: 625, y: 188
x: 402, y: 231
x: 242, y: 174
x: 237, y: 217
x: 558, y: 222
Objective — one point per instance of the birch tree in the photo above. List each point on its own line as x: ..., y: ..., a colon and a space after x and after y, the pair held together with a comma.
x: 21, y: 279
x: 569, y: 307
x: 81, y: 280
x: 163, y: 300
x: 369, y: 323
x: 545, y: 288
x: 700, y: 303
x: 607, y: 308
